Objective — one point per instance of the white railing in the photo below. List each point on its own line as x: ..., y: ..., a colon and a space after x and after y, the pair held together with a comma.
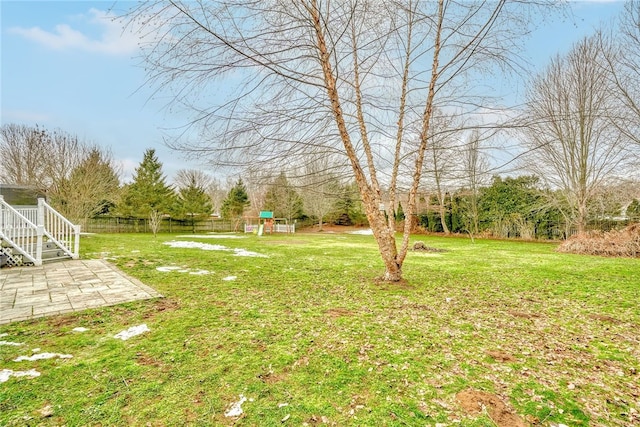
x: 25, y: 229
x: 20, y: 233
x: 29, y: 212
x: 277, y: 228
x: 60, y: 230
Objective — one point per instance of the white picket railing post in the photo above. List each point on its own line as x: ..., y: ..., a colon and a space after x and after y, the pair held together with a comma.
x: 40, y: 231
x: 76, y: 246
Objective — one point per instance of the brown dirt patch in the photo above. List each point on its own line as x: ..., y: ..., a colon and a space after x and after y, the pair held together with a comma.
x: 500, y: 356
x: 476, y: 402
x: 161, y: 305
x: 523, y: 315
x: 339, y: 312
x: 272, y: 378
x: 604, y: 318
x: 401, y: 284
x: 147, y: 360
x: 58, y: 321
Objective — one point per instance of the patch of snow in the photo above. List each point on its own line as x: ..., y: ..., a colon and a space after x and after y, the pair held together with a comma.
x: 213, y: 236
x: 236, y: 408
x: 10, y: 343
x: 168, y: 269
x: 35, y: 350
x: 199, y: 272
x: 368, y: 232
x: 80, y: 329
x: 5, y: 374
x: 229, y: 278
x: 40, y: 356
x: 210, y: 247
x: 243, y: 252
x: 132, y: 332
x: 4, y: 334
x: 196, y: 245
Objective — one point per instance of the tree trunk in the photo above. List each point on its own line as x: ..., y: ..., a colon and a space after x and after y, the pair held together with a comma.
x: 370, y: 192
x: 443, y: 217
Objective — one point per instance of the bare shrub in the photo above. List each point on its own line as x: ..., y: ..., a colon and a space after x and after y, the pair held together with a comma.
x: 622, y: 243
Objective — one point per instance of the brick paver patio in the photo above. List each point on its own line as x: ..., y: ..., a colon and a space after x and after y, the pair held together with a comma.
x: 63, y: 287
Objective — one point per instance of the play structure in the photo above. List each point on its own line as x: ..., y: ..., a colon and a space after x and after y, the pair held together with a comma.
x: 266, y: 223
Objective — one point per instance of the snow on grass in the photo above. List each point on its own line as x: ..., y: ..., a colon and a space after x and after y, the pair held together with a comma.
x: 230, y: 278
x: 168, y: 269
x: 132, y: 332
x: 213, y: 236
x: 367, y: 232
x: 210, y: 247
x: 10, y: 343
x: 244, y: 252
x: 199, y: 272
x: 80, y: 329
x: 5, y: 374
x: 172, y: 268
x: 236, y: 408
x: 41, y: 356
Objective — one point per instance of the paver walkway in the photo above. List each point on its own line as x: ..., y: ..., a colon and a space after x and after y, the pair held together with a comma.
x: 63, y: 287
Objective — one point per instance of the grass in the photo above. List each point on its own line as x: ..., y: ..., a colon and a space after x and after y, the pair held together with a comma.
x: 309, y: 337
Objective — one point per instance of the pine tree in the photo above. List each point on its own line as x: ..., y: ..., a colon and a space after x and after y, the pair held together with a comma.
x: 234, y: 205
x: 148, y: 194
x: 193, y: 202
x: 633, y: 211
x: 283, y: 200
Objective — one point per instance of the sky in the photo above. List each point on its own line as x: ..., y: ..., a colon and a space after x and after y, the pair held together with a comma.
x: 66, y: 65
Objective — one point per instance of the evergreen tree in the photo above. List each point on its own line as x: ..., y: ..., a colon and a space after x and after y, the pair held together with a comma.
x: 148, y: 193
x: 234, y: 205
x: 400, y: 213
x: 283, y: 200
x: 193, y: 203
x: 348, y: 209
x: 633, y: 211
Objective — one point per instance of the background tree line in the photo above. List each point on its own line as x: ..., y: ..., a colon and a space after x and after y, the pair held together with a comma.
x: 82, y: 181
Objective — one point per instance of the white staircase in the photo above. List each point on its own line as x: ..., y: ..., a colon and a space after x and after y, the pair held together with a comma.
x: 33, y: 235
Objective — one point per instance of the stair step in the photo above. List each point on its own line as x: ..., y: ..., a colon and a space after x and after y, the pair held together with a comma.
x: 61, y: 258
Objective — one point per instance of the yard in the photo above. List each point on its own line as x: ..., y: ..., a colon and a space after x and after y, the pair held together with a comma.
x: 295, y: 330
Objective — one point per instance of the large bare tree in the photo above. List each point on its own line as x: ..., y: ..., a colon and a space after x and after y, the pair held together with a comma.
x: 89, y: 188
x: 442, y: 160
x: 621, y: 58
x: 474, y: 176
x: 320, y: 186
x: 23, y: 153
x: 574, y: 147
x: 358, y: 79
x: 79, y: 178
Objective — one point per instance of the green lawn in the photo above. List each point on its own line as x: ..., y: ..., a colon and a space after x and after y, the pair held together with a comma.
x: 308, y: 336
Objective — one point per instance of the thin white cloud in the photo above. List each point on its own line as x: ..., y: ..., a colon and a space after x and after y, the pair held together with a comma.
x: 25, y: 116
x: 112, y: 40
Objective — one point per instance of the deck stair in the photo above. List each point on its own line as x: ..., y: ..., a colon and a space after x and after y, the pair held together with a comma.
x: 32, y: 235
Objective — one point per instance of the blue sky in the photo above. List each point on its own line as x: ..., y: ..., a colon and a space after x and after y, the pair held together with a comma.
x: 65, y: 64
